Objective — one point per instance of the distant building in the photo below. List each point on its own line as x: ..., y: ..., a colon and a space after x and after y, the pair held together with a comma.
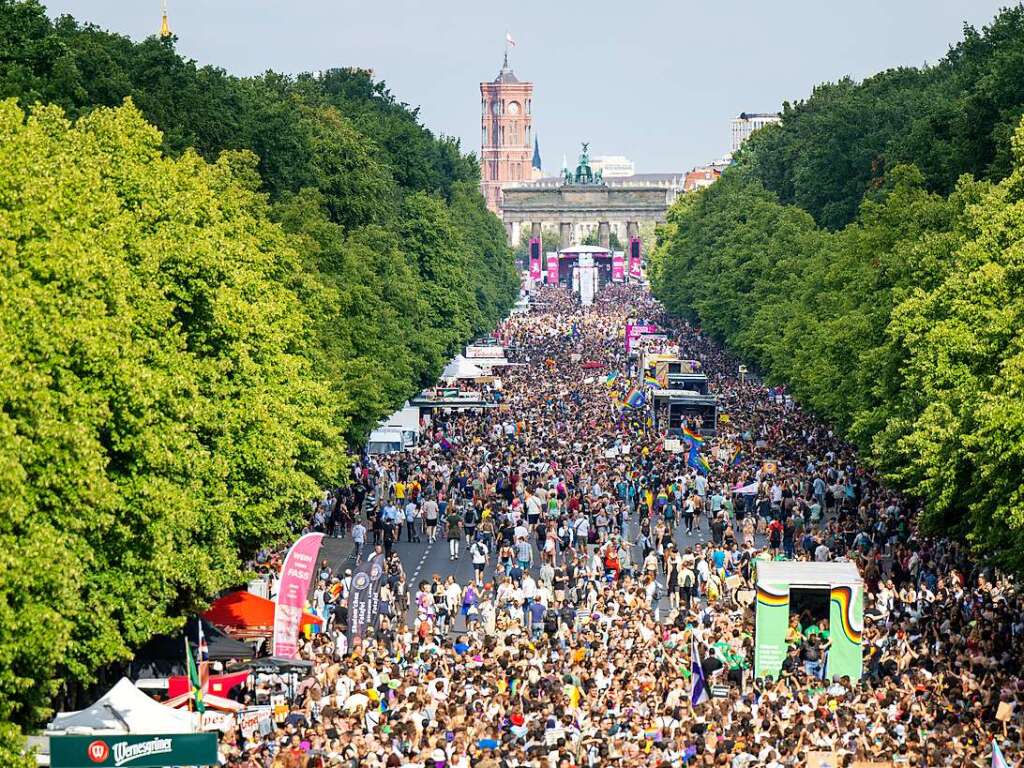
x: 535, y: 169
x: 613, y: 166
x: 748, y: 122
x: 507, y: 146
x: 165, y: 27
x: 701, y: 177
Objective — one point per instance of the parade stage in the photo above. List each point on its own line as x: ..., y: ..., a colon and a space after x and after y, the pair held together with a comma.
x: 568, y: 260
x: 686, y: 407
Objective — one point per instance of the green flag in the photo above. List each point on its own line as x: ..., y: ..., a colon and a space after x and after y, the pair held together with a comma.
x: 193, y: 679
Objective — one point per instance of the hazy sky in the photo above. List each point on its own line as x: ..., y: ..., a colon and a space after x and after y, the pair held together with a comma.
x: 655, y: 80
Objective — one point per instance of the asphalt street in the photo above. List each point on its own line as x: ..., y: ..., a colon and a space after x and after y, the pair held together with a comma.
x: 421, y: 560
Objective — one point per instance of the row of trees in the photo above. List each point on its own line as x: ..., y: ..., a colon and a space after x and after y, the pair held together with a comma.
x: 949, y: 119
x: 904, y: 327
x: 212, y: 287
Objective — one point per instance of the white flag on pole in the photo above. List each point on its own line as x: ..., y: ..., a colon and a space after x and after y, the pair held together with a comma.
x: 509, y: 40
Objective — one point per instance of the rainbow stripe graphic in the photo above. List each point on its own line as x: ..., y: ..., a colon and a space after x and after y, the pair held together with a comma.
x: 843, y: 598
x: 766, y: 596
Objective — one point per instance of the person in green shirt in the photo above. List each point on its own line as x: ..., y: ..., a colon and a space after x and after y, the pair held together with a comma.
x: 823, y: 630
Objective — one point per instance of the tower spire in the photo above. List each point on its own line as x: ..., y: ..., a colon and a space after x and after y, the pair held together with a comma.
x: 509, y: 43
x: 165, y: 28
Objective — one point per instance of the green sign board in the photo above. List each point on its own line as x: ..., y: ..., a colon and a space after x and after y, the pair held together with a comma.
x: 186, y: 749
x: 846, y: 624
x: 771, y: 617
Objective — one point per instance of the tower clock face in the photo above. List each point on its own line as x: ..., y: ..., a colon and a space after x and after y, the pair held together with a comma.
x: 513, y: 108
x: 496, y: 108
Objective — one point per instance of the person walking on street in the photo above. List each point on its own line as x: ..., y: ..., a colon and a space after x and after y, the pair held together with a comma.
x: 430, y: 515
x: 359, y: 538
x: 480, y: 556
x: 411, y: 513
x: 454, y: 525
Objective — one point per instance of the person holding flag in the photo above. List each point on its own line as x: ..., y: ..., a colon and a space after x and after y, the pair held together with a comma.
x: 635, y: 398
x: 737, y: 456
x: 698, y: 685
x: 693, y: 436
x: 696, y: 461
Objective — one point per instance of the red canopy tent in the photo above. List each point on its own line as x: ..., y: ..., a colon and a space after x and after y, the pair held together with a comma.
x: 219, y: 685
x: 243, y: 614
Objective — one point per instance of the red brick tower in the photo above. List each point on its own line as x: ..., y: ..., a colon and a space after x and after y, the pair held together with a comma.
x: 506, y: 133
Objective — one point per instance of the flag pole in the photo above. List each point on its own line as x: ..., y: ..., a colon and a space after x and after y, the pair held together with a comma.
x: 188, y: 676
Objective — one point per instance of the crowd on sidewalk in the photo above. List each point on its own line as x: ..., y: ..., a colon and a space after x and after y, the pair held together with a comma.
x: 601, y: 560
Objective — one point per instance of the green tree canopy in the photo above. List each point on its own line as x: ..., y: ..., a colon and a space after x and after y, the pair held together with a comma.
x: 160, y: 418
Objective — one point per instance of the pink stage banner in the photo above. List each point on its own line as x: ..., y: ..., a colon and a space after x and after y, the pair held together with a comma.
x: 635, y: 331
x: 618, y: 269
x: 535, y: 259
x: 552, y: 268
x: 634, y: 258
x: 296, y: 575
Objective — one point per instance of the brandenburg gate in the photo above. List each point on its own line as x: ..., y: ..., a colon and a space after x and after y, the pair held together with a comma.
x: 583, y: 197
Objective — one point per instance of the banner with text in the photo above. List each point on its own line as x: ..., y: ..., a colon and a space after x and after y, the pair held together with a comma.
x: 618, y: 267
x: 635, y: 270
x: 364, y: 597
x: 296, y: 575
x: 552, y: 268
x: 535, y: 259
x: 635, y: 330
x: 184, y: 749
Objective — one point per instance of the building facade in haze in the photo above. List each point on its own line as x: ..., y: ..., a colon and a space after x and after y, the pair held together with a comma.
x: 702, y: 177
x: 748, y: 122
x: 506, y: 134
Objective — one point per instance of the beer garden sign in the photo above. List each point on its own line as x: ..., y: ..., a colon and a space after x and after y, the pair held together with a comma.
x: 149, y: 751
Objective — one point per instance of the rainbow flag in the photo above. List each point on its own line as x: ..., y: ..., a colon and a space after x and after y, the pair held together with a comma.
x: 651, y: 381
x: 697, y: 461
x: 635, y: 398
x: 736, y: 457
x: 693, y: 437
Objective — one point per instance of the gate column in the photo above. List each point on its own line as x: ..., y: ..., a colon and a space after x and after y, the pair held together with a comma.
x: 564, y: 235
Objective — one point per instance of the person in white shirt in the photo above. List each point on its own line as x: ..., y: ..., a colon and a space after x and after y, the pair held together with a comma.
x: 430, y: 513
x: 479, y: 555
x: 359, y: 538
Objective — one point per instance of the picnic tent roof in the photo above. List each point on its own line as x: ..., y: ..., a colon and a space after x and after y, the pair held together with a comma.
x: 123, y: 709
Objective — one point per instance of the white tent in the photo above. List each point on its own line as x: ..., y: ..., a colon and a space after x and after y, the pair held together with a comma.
x: 461, y: 368
x: 123, y: 709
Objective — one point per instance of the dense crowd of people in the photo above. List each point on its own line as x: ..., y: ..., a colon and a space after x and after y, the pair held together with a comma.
x: 601, y: 559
